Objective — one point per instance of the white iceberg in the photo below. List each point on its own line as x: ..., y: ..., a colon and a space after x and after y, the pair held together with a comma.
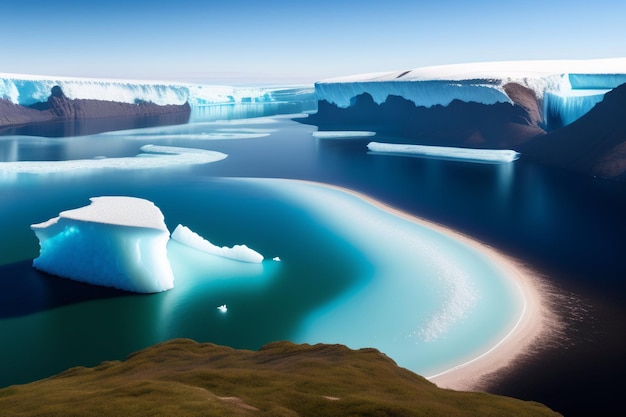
x: 117, y: 242
x: 189, y: 238
x: 446, y: 152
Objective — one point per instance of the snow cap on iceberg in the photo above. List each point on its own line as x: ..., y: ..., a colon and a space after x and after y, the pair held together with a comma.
x: 115, y: 242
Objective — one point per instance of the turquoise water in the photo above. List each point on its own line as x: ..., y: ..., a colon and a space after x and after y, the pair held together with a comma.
x: 349, y: 273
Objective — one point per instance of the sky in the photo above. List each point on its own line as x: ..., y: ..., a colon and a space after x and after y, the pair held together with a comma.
x: 293, y: 41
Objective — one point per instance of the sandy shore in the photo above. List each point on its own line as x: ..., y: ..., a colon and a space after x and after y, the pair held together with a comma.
x: 534, y: 323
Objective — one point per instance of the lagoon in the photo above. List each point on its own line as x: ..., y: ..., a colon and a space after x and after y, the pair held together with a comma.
x: 350, y: 272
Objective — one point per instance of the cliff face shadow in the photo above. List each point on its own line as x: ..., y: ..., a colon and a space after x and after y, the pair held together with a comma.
x: 25, y: 290
x: 468, y: 124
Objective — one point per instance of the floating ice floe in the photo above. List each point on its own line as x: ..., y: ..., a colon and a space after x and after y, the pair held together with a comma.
x: 189, y: 238
x: 152, y: 157
x: 117, y: 242
x: 444, y: 152
x: 223, y: 308
x: 342, y: 134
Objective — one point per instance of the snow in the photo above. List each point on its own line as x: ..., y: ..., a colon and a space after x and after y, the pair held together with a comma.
x: 29, y: 89
x: 483, y: 83
x: 444, y: 152
x: 117, y: 242
x: 502, y: 70
x: 241, y: 253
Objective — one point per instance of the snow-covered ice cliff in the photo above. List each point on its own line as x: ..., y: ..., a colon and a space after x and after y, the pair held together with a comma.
x: 565, y: 89
x: 27, y: 90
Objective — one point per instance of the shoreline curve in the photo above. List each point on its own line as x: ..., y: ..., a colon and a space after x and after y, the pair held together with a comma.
x: 536, y: 321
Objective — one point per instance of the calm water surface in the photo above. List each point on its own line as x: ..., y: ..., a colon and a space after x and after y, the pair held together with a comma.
x: 344, y: 277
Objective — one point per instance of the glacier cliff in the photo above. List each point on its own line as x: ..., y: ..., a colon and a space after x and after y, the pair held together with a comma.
x: 27, y: 90
x: 28, y: 99
x: 564, y: 90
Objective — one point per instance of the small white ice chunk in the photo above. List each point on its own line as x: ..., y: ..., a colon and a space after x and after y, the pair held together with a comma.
x: 242, y: 253
x: 445, y: 152
x: 223, y: 308
x: 276, y: 258
x: 115, y: 242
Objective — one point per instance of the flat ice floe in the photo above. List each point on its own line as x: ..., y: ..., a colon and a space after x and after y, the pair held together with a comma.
x: 117, y: 242
x: 445, y: 152
x: 152, y: 157
x: 241, y: 253
x: 342, y: 134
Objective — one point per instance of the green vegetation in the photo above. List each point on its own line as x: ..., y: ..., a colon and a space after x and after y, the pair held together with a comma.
x: 185, y: 378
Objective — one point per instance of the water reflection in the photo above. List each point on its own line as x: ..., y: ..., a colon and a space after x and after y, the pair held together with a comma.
x: 85, y: 127
x: 8, y: 150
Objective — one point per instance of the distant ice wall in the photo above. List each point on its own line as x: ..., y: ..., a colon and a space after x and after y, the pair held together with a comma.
x: 596, y: 81
x: 29, y: 89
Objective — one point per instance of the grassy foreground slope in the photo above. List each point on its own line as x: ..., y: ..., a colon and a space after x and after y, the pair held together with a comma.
x: 185, y: 378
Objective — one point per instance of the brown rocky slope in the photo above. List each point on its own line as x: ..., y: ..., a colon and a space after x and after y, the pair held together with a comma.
x: 183, y: 377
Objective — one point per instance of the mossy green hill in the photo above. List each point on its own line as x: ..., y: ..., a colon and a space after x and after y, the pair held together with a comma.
x: 185, y: 378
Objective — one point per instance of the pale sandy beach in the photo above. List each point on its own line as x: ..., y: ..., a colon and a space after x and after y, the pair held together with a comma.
x: 535, y: 322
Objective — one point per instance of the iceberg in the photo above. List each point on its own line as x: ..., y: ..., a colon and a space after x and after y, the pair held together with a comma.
x: 241, y: 253
x: 446, y: 152
x: 117, y: 242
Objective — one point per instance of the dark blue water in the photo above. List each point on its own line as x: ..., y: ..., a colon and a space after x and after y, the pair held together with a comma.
x: 568, y: 228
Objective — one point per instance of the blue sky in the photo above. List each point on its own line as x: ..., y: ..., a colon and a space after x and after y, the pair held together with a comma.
x: 245, y: 41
